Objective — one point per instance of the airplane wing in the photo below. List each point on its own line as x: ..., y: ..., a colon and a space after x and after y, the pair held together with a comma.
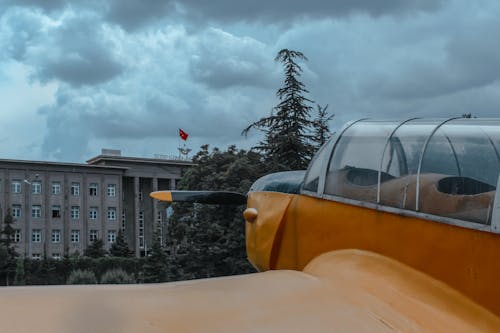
x: 341, y: 291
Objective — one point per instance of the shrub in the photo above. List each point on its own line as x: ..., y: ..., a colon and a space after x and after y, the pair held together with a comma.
x: 82, y: 277
x: 117, y: 276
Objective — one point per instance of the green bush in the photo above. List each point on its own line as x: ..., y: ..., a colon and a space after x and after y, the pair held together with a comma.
x: 82, y: 277
x: 117, y: 276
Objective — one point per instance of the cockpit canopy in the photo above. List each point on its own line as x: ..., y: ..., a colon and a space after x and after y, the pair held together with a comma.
x: 447, y: 168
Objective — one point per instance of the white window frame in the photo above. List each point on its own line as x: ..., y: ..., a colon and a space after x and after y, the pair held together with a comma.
x: 56, y: 236
x: 36, y: 256
x: 75, y: 189
x: 75, y: 236
x: 56, y: 209
x: 56, y: 187
x: 16, y: 211
x: 17, y: 236
x: 111, y: 190
x: 111, y: 236
x: 36, y: 211
x: 75, y: 212
x: 93, y: 189
x: 36, y: 236
x: 93, y: 235
x: 16, y: 186
x: 36, y: 187
x: 111, y: 213
x: 93, y: 213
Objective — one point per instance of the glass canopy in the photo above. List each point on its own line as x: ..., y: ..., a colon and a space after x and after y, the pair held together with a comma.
x: 442, y: 167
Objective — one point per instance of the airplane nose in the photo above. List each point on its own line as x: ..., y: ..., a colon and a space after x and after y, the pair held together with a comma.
x: 250, y: 214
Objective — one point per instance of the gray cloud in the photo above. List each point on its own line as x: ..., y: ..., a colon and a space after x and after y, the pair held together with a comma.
x: 133, y: 14
x: 77, y: 53
x: 286, y: 10
x: 221, y: 60
x: 46, y: 5
x: 128, y: 75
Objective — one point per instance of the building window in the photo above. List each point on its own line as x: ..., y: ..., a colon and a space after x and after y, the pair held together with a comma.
x: 124, y: 220
x: 75, y: 236
x: 56, y: 256
x: 111, y: 236
x: 93, y: 189
x: 36, y: 187
x: 16, y: 211
x: 93, y: 213
x: 36, y: 256
x: 160, y: 224
x: 93, y: 235
x: 36, y: 236
x: 36, y: 211
x: 75, y: 189
x: 111, y: 190
x: 56, y: 211
x: 111, y: 213
x: 75, y: 212
x: 16, y: 186
x: 140, y: 195
x: 17, y: 235
x: 56, y: 187
x: 56, y: 236
x: 141, y: 229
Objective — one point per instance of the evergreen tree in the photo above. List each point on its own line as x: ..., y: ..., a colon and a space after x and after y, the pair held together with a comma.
x: 96, y: 249
x: 321, y: 127
x: 120, y: 247
x: 20, y: 278
x: 287, y: 143
x: 155, y: 268
x: 209, y: 240
x: 8, y: 259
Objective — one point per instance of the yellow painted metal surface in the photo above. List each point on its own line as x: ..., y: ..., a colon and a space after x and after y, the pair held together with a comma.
x: 162, y: 195
x: 263, y: 233
x: 343, y: 291
x: 467, y: 260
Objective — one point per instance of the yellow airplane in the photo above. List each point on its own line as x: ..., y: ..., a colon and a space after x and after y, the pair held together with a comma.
x: 394, y: 227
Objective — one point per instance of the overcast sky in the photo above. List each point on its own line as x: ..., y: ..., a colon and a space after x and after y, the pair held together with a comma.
x: 78, y: 76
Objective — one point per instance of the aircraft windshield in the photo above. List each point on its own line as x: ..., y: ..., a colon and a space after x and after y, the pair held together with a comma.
x: 447, y: 168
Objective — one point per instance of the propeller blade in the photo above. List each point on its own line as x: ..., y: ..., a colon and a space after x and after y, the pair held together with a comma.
x: 205, y: 197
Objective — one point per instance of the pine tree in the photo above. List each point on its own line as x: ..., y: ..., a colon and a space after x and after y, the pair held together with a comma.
x: 9, y: 256
x: 20, y: 278
x: 287, y: 142
x: 96, y: 249
x: 120, y: 247
x: 155, y: 268
x: 321, y: 127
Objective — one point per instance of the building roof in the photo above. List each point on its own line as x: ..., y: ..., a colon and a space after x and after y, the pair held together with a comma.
x: 114, y: 158
x: 62, y: 164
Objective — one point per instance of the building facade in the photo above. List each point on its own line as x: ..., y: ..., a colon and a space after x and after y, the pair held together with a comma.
x: 61, y: 208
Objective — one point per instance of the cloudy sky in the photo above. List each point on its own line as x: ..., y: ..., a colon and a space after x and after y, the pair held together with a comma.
x: 78, y: 76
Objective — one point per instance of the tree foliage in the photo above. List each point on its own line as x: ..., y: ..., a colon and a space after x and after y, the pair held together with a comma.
x: 96, y: 249
x: 120, y: 247
x: 321, y: 126
x: 8, y: 254
x: 288, y: 141
x: 155, y: 268
x: 209, y: 240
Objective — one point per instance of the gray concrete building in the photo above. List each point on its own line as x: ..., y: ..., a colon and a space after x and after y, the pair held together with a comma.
x: 61, y: 208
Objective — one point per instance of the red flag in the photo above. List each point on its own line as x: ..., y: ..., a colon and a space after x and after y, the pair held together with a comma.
x: 183, y: 135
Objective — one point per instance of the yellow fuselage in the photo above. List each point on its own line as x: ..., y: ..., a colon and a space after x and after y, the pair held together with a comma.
x: 291, y: 230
